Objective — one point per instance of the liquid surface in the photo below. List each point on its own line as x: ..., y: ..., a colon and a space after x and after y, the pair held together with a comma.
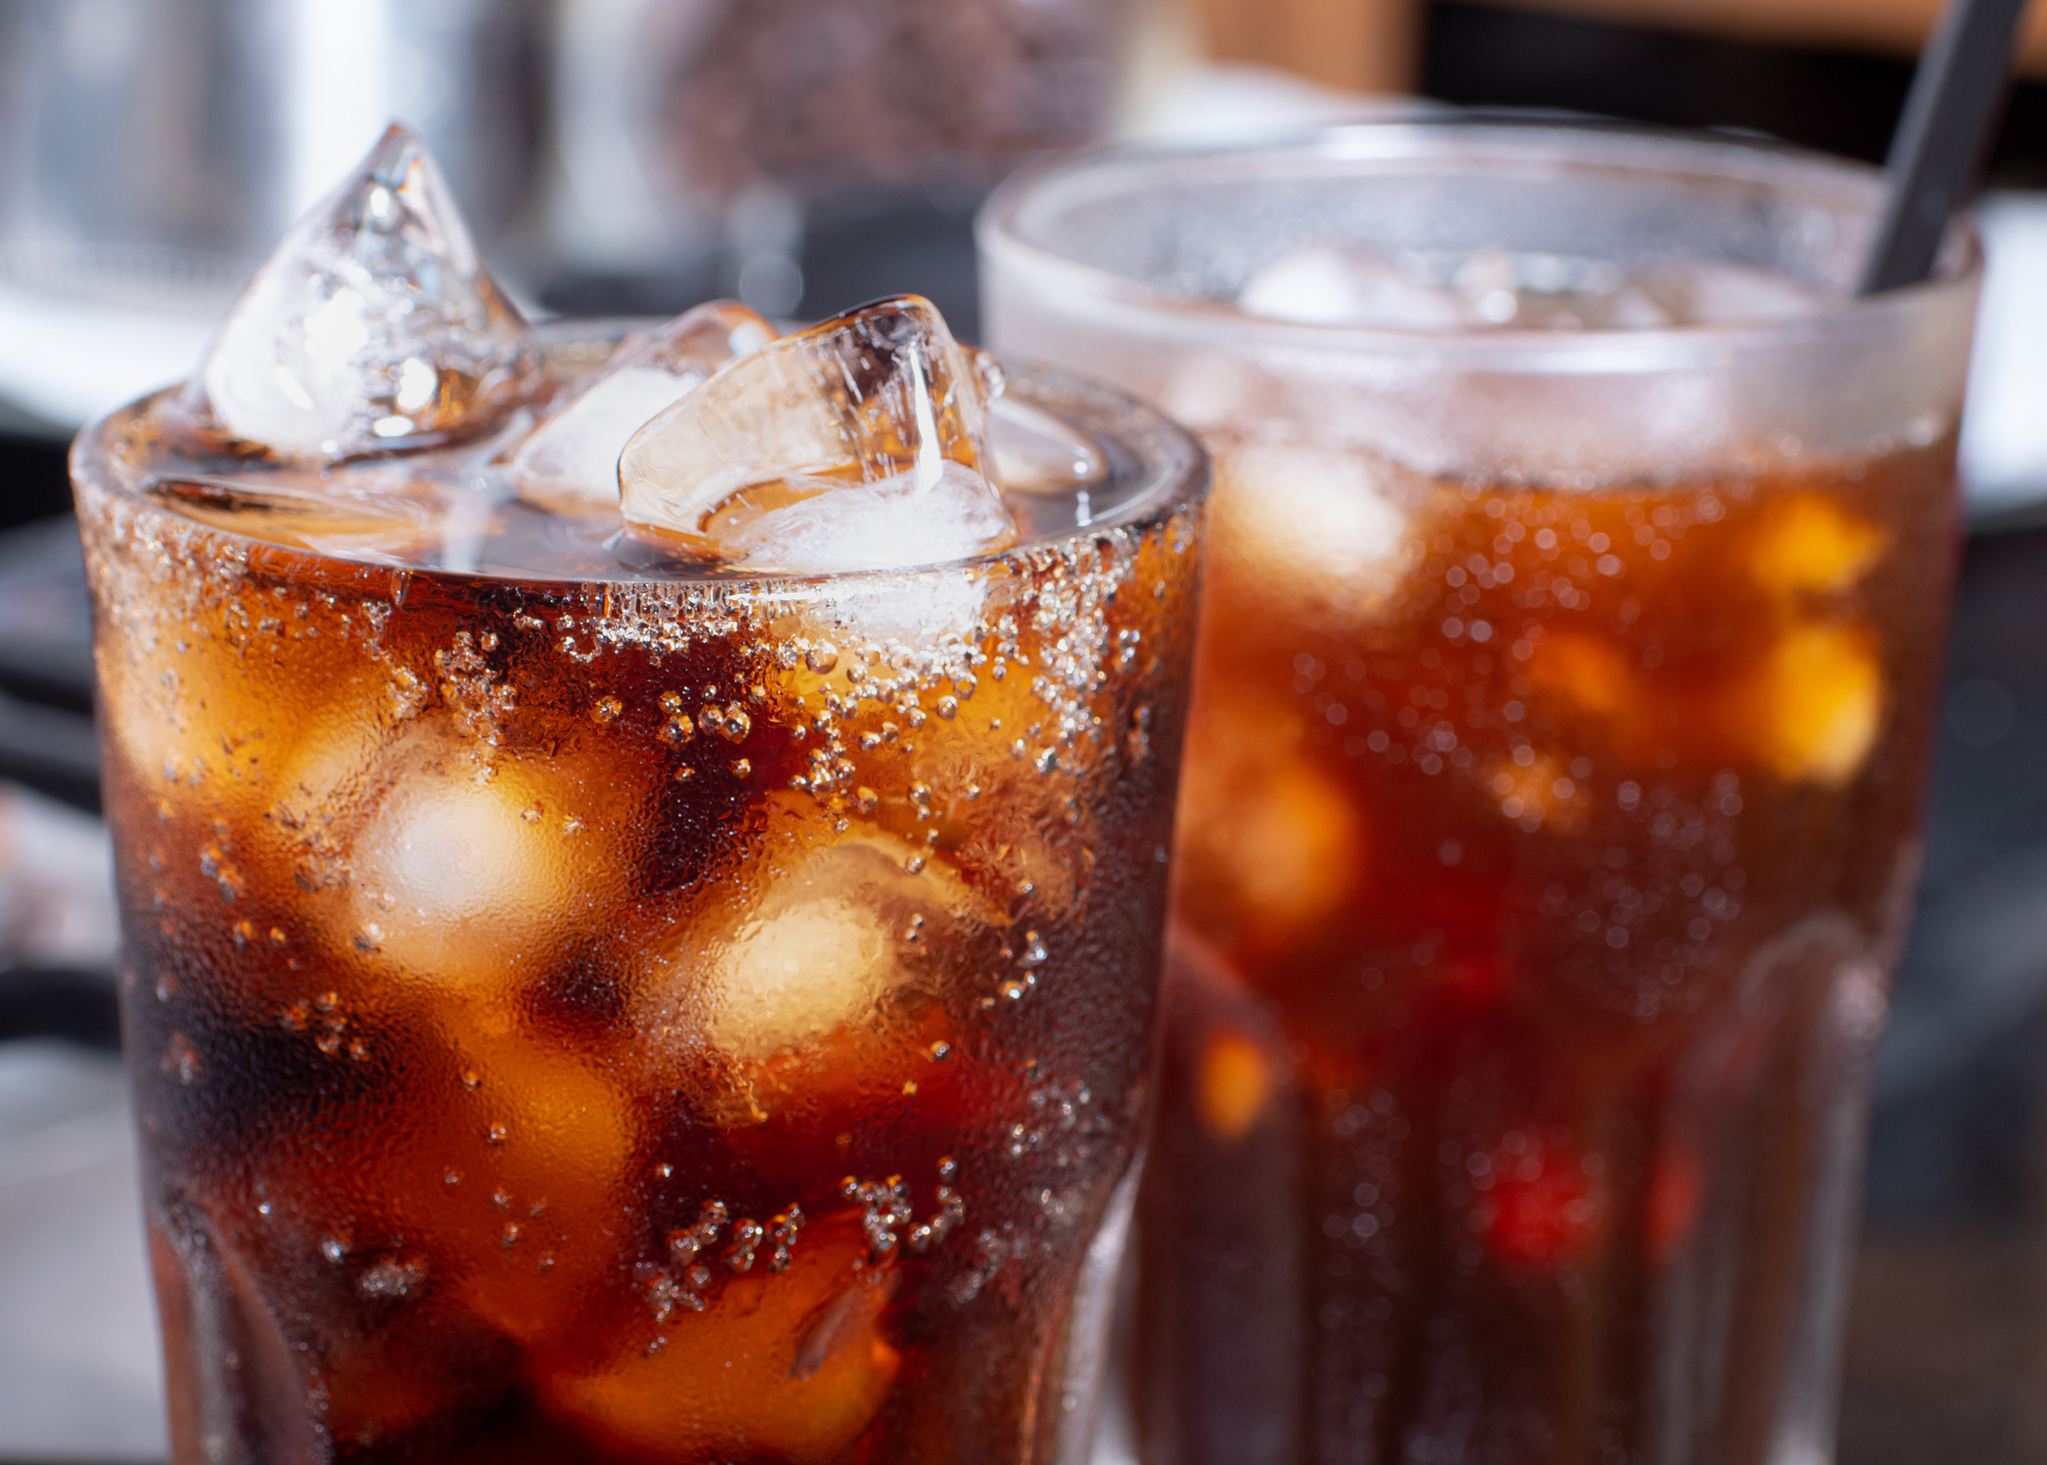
x: 462, y: 509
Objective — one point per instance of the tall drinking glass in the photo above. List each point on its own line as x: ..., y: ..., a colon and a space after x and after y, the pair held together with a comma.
x: 587, y: 1003
x: 1580, y: 557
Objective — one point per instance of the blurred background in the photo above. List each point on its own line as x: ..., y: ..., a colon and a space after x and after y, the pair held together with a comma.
x: 636, y: 156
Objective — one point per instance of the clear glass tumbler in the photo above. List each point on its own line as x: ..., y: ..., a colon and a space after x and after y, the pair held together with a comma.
x: 663, y: 1015
x: 1580, y: 555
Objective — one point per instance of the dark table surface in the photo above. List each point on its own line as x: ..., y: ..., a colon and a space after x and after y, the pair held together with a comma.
x: 1947, y: 1332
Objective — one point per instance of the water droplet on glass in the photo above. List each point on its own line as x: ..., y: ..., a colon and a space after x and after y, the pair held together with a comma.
x: 181, y: 1060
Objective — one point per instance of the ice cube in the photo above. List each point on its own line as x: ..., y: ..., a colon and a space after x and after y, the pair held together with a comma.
x: 302, y: 508
x: 1808, y: 544
x: 1629, y: 306
x: 916, y: 609
x: 572, y: 461
x: 1812, y: 710
x: 822, y: 949
x: 1268, y: 841
x: 540, y: 1140
x: 861, y: 443
x: 373, y: 327
x: 1348, y: 284
x: 1317, y: 523
x: 465, y: 864
x: 1703, y: 291
x: 789, y: 1365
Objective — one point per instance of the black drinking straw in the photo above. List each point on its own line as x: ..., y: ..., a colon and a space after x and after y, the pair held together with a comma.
x: 1955, y: 92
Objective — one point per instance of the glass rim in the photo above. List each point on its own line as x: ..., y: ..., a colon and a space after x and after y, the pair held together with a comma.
x: 1175, y: 477
x: 1491, y: 137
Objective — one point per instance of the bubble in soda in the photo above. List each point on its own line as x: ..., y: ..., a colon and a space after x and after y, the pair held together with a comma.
x: 572, y: 461
x: 375, y: 325
x: 862, y: 442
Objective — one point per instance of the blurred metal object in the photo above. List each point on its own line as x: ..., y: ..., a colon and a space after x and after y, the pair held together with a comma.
x: 151, y: 151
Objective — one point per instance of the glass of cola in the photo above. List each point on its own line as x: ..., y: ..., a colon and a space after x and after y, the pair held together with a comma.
x: 642, y: 858
x: 1580, y: 558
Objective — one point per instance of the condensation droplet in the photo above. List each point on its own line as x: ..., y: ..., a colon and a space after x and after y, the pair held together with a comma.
x: 390, y: 1279
x: 181, y: 1060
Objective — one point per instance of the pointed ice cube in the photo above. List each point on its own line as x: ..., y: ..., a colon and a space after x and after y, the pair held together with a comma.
x: 374, y: 326
x: 861, y: 443
x: 572, y: 461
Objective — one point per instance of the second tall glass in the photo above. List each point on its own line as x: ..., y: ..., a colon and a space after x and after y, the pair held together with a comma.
x: 1579, y: 562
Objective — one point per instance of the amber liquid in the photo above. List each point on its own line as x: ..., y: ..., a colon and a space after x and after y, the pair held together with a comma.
x: 613, y: 1020
x: 1543, y: 857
